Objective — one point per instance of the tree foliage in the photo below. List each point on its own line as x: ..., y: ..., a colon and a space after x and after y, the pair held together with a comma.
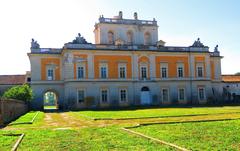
x: 23, y: 93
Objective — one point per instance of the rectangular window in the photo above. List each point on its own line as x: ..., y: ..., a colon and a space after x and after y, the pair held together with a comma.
x: 104, y: 95
x: 181, y: 94
x: 122, y: 72
x: 201, y: 93
x: 164, y: 72
x: 81, y: 96
x: 144, y: 72
x: 50, y: 74
x: 103, y: 72
x: 200, y: 71
x: 180, y: 72
x: 165, y: 96
x: 123, y: 95
x: 80, y: 72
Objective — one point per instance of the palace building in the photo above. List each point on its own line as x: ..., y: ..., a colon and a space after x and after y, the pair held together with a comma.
x: 128, y: 65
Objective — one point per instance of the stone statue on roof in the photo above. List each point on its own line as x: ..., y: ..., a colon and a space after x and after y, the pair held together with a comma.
x: 79, y: 40
x: 34, y: 44
x: 197, y: 43
x: 216, y: 49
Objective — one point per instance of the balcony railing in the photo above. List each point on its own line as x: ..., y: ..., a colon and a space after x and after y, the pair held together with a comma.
x: 127, y: 21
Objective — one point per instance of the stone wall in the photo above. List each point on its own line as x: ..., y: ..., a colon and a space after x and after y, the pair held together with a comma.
x: 11, y: 109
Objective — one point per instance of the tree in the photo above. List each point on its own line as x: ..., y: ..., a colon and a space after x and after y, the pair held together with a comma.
x: 23, y: 93
x: 238, y: 73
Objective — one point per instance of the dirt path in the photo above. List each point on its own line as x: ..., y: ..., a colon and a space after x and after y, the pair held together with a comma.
x: 63, y: 119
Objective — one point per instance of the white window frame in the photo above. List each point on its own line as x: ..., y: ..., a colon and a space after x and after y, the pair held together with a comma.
x: 104, y: 89
x: 204, y: 94
x: 184, y: 94
x: 167, y: 95
x: 53, y: 72
x: 143, y: 66
x: 84, y: 71
x: 200, y: 65
x: 100, y: 70
x: 119, y: 94
x: 84, y: 93
x: 180, y: 66
x: 163, y: 65
x: 119, y: 71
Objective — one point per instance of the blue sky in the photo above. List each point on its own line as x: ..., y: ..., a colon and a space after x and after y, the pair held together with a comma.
x: 55, y: 22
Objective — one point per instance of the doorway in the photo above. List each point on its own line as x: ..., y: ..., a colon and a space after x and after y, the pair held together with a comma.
x: 50, y: 101
x: 145, y: 96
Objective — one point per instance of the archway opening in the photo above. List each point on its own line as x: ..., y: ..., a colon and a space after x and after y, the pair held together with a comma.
x: 50, y: 100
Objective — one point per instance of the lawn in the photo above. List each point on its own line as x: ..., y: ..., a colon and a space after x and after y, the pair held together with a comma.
x: 110, y: 138
x: 6, y: 142
x: 73, y: 131
x: 221, y: 135
x: 25, y: 120
x: 154, y: 113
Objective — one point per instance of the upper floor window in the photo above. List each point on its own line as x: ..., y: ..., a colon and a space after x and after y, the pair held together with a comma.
x: 122, y: 71
x: 143, y: 72
x: 50, y: 74
x: 199, y: 71
x: 147, y: 38
x: 110, y: 37
x: 80, y: 72
x: 130, y: 37
x: 103, y: 71
x: 180, y: 71
x: 164, y: 70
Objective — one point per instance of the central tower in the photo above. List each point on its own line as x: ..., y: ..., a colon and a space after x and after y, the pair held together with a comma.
x: 120, y: 31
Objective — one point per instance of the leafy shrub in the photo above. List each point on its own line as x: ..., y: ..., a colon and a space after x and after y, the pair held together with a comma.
x: 23, y: 93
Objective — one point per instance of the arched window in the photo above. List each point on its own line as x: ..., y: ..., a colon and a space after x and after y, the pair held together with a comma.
x: 110, y: 37
x: 130, y: 37
x: 147, y: 38
x: 145, y: 89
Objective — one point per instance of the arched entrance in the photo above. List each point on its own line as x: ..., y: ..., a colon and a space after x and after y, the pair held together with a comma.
x: 145, y: 96
x: 50, y: 100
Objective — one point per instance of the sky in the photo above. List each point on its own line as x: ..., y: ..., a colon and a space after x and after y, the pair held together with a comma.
x: 55, y: 22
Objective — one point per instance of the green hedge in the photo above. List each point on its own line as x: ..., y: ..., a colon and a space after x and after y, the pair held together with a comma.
x: 23, y: 93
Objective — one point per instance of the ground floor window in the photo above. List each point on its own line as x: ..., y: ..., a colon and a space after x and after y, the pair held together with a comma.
x: 123, y: 95
x: 104, y: 95
x: 201, y: 93
x: 181, y: 94
x: 81, y: 96
x: 165, y: 95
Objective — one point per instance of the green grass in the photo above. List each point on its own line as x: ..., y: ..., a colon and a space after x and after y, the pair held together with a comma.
x: 221, y: 135
x: 7, y: 142
x: 85, y: 134
x: 110, y: 138
x: 24, y: 120
x: 160, y: 112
